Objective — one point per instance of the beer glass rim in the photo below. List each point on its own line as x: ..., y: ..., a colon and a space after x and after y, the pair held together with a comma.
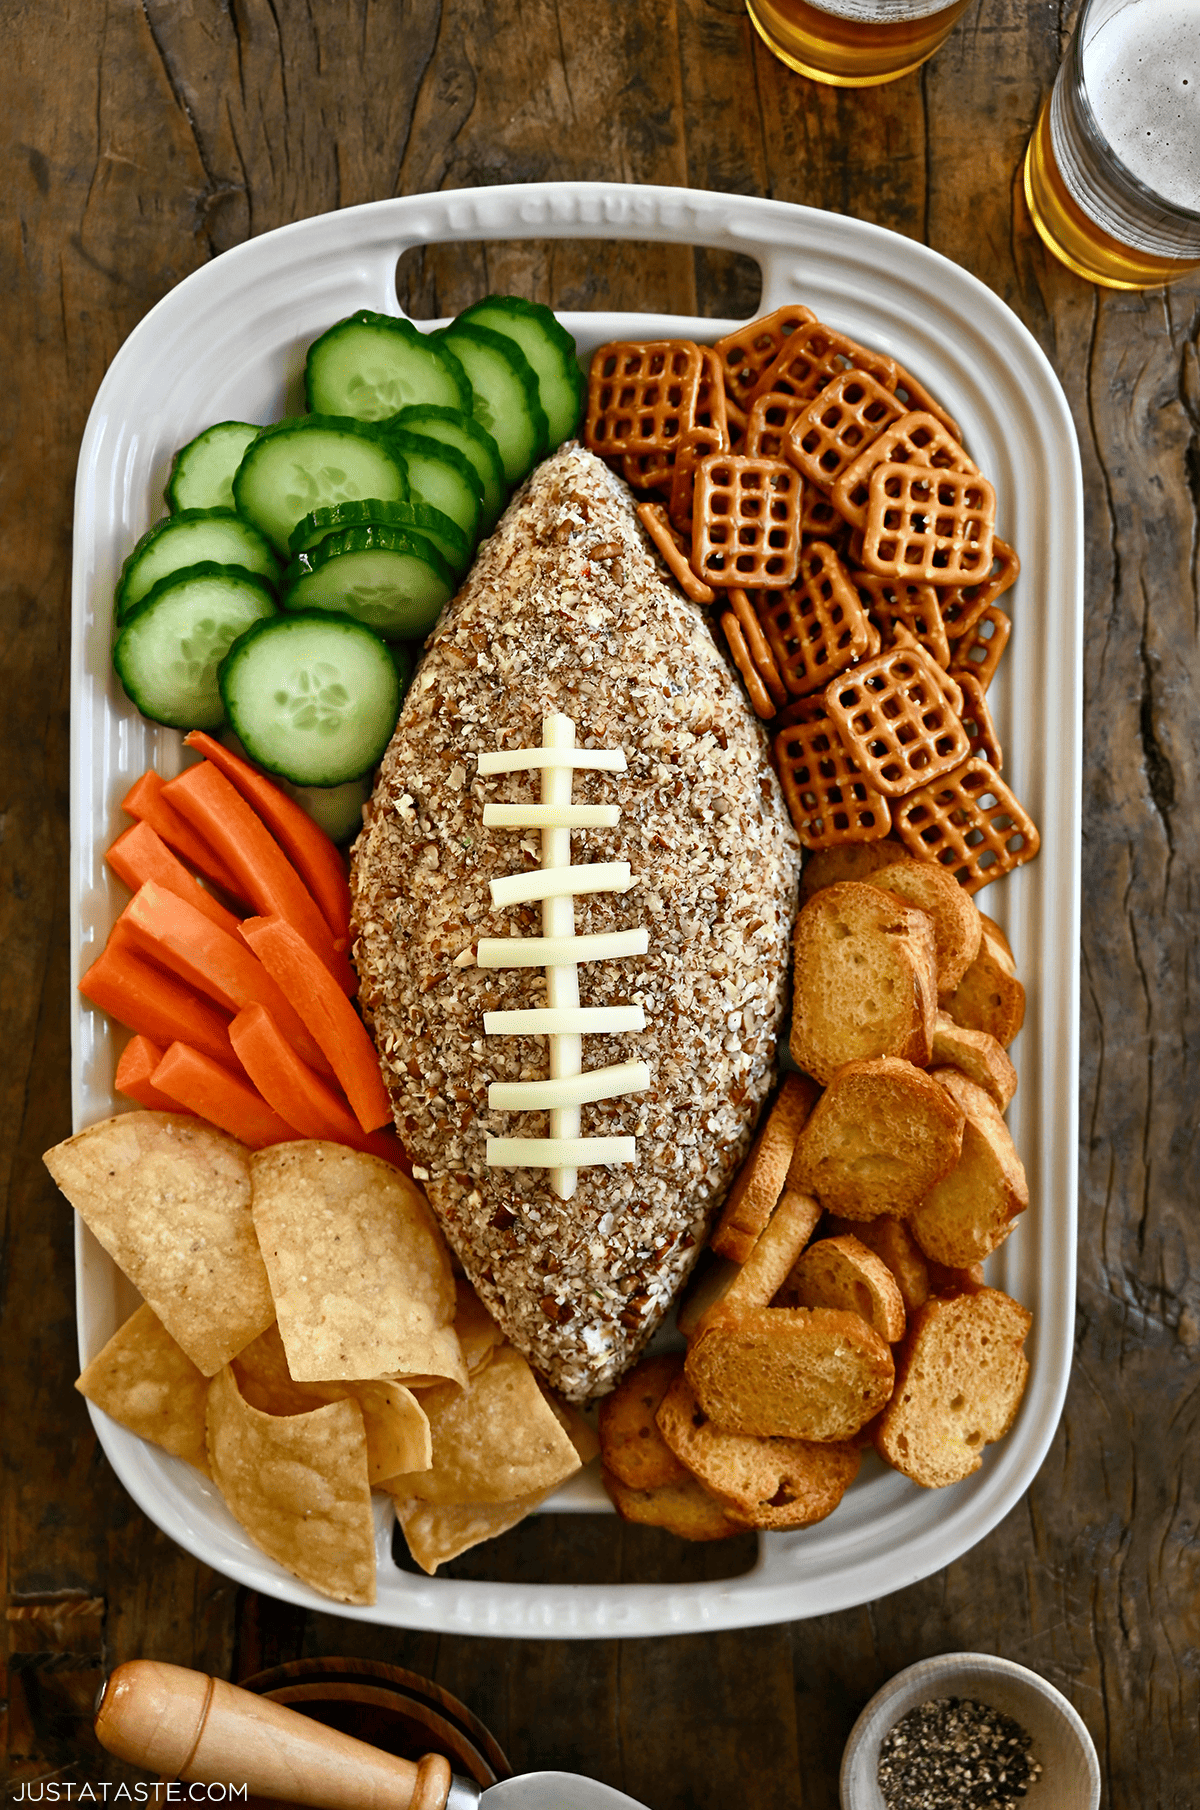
x: 1137, y: 191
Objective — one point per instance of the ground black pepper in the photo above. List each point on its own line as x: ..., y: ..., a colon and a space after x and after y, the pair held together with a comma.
x: 955, y: 1754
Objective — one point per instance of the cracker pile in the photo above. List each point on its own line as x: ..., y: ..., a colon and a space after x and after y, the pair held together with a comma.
x: 303, y: 1342
x: 818, y: 496
x: 847, y: 1306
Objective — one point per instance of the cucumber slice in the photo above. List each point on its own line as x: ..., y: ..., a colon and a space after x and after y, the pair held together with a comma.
x: 549, y: 348
x: 191, y: 538
x: 314, y: 697
x: 506, y: 395
x: 309, y: 462
x: 202, y: 471
x: 335, y: 809
x: 416, y: 518
x: 441, y: 477
x: 395, y: 583
x: 464, y: 433
x: 370, y: 365
x: 174, y: 640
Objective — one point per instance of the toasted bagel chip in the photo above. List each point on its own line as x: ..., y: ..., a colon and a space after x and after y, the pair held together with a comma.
x: 763, y: 1482
x: 759, y: 1182
x: 989, y: 997
x: 359, y: 1271
x: 865, y: 979
x: 977, y: 1055
x: 632, y: 1449
x: 957, y: 926
x: 891, y: 1240
x: 844, y: 1273
x: 811, y: 1373
x: 148, y: 1383
x: 169, y: 1199
x: 683, y: 1507
x: 298, y: 1485
x: 971, y: 1211
x: 881, y: 1135
x: 728, y: 1288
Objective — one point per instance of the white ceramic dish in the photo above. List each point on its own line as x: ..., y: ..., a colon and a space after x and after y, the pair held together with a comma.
x: 229, y: 342
x: 1059, y: 1742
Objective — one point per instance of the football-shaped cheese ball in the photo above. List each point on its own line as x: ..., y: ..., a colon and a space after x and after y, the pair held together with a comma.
x: 565, y: 632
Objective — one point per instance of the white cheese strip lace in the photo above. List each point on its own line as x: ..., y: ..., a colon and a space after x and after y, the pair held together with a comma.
x: 559, y: 950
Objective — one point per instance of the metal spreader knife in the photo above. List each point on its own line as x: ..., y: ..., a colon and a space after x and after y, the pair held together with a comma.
x: 200, y: 1730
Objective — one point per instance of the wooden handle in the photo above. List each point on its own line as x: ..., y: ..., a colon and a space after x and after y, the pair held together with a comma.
x: 201, y: 1730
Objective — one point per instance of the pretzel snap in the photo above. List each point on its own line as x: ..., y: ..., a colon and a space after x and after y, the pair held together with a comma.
x: 828, y: 796
x: 818, y: 626
x: 746, y: 521
x: 935, y: 525
x: 896, y: 721
x: 641, y: 396
x: 839, y: 425
x: 969, y: 821
x: 913, y: 439
x: 745, y: 354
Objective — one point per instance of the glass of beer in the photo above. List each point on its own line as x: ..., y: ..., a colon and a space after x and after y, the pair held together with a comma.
x: 1112, y: 173
x: 854, y: 43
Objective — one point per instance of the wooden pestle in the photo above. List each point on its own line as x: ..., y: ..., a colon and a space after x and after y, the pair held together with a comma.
x: 184, y: 1725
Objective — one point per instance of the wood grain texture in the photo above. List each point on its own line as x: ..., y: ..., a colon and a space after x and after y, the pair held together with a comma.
x: 145, y: 139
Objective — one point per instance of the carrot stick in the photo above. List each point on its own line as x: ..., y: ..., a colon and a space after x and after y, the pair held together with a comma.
x: 144, y: 800
x: 209, y: 1090
x: 171, y: 931
x: 296, y: 1093
x: 140, y: 854
x: 139, y: 1059
x: 154, y: 1004
x: 214, y: 807
x: 327, y: 1012
x: 316, y: 859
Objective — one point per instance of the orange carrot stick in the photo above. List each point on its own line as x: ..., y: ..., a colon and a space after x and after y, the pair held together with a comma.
x: 139, y: 1059
x: 214, y: 807
x: 318, y: 862
x: 171, y: 931
x: 227, y: 1102
x: 155, y: 1004
x: 327, y: 1012
x: 295, y: 1092
x: 140, y: 854
x: 144, y: 800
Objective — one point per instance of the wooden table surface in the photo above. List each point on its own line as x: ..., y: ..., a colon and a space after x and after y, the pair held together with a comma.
x: 144, y: 139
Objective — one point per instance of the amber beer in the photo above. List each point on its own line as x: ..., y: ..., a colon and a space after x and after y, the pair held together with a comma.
x: 854, y: 43
x: 1112, y: 173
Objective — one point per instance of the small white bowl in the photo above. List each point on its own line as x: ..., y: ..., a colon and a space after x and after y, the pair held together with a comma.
x: 1070, y: 1775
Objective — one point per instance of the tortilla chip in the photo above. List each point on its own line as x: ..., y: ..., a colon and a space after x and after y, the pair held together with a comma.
x: 578, y: 1429
x: 169, y: 1199
x: 396, y: 1425
x: 478, y: 1334
x: 360, y: 1275
x: 497, y: 1441
x: 143, y: 1379
x: 298, y: 1485
x: 438, y: 1532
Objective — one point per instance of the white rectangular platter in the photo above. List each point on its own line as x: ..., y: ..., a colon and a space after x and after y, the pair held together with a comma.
x: 229, y: 342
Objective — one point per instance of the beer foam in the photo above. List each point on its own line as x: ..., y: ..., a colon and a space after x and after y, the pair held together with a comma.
x: 1141, y: 72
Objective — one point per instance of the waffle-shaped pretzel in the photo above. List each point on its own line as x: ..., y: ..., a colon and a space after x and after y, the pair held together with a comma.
x: 819, y: 520
x: 969, y: 822
x: 745, y: 355
x: 712, y: 409
x: 964, y: 604
x: 760, y: 697
x: 895, y: 720
x: 673, y: 550
x: 641, y: 397
x: 935, y: 525
x: 828, y: 797
x: 915, y: 439
x: 818, y: 626
x: 758, y: 645
x: 695, y: 443
x: 813, y: 357
x: 803, y: 710
x: 976, y: 719
x: 947, y: 681
x: 980, y: 651
x: 735, y: 420
x: 839, y: 424
x: 746, y: 521
x: 893, y: 601
x: 768, y: 425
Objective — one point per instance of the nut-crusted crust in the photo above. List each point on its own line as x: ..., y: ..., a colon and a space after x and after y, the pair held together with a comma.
x: 565, y: 610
